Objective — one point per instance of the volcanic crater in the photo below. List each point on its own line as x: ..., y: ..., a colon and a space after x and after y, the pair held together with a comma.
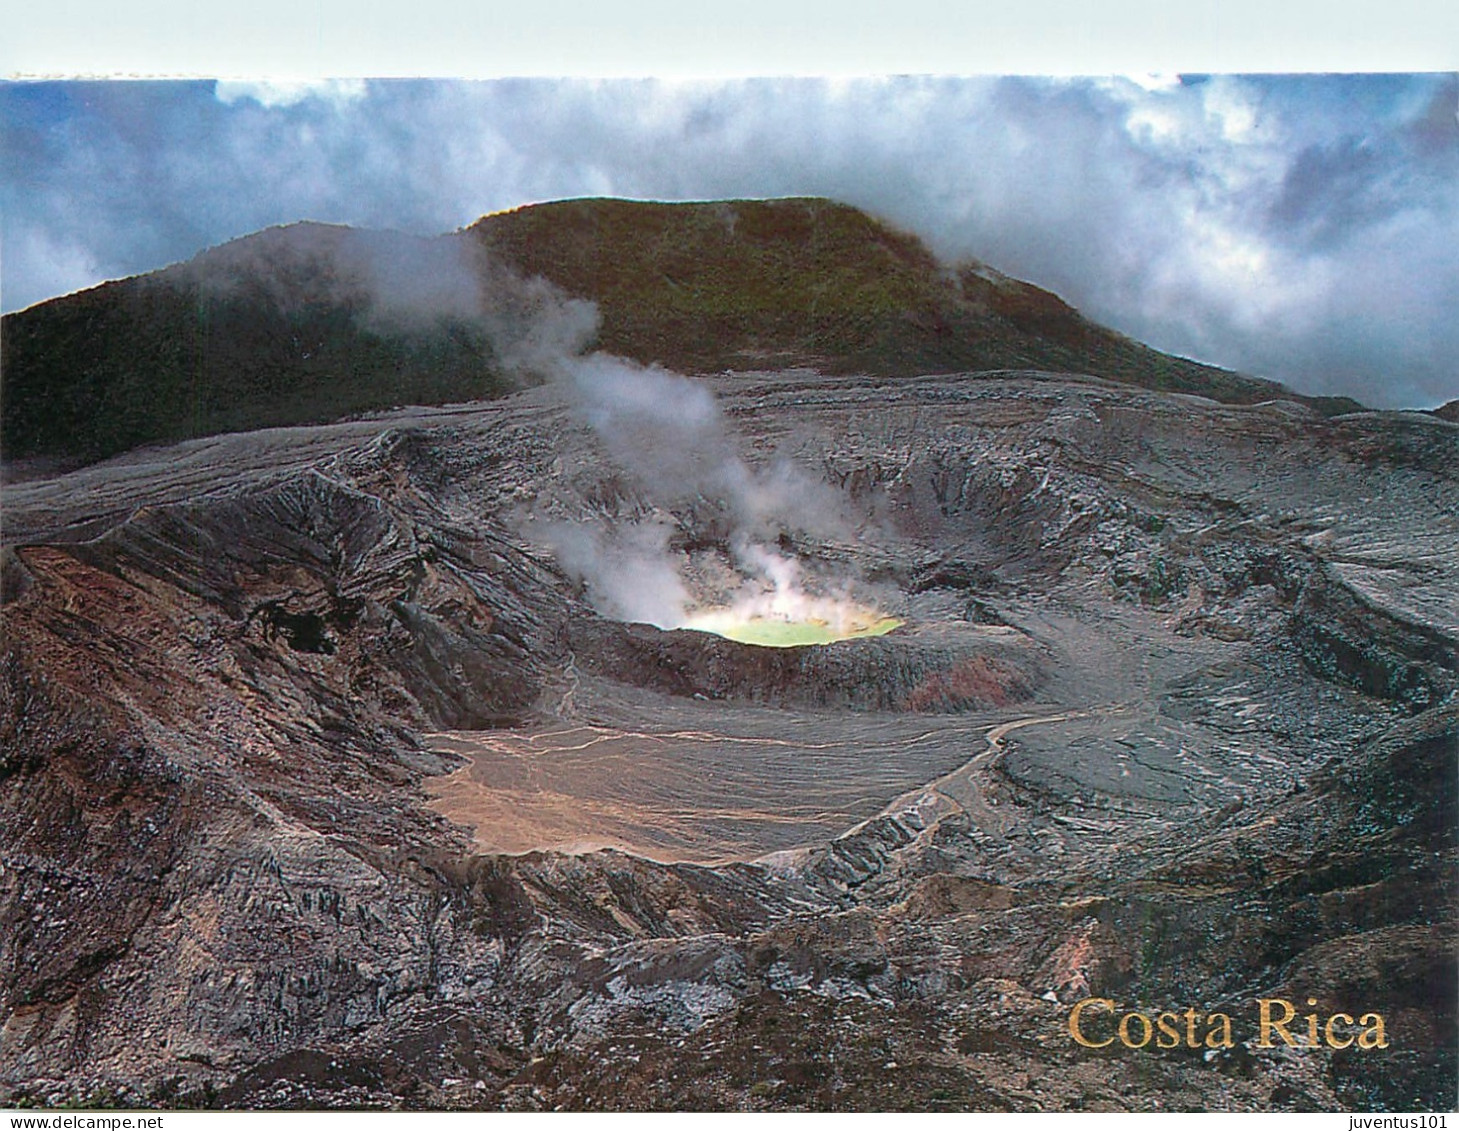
x: 377, y: 762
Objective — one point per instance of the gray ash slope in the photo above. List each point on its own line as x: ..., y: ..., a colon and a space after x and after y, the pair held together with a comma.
x: 1215, y: 760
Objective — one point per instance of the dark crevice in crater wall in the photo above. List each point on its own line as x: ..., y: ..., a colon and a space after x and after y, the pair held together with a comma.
x: 1342, y: 637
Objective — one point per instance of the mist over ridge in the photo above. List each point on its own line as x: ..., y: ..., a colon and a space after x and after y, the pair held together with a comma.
x: 310, y: 322
x: 1293, y: 227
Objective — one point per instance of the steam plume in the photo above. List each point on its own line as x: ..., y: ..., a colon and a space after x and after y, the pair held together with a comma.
x: 668, y: 434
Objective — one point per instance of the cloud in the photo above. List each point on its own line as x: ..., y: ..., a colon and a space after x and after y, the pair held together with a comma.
x: 1293, y: 227
x: 288, y: 92
x: 40, y: 260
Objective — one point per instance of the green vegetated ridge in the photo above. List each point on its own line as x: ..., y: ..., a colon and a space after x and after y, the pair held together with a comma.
x: 809, y: 282
x: 225, y: 343
x: 275, y: 328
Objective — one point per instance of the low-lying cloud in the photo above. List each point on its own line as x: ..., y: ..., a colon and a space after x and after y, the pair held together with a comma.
x: 1299, y: 228
x: 396, y: 283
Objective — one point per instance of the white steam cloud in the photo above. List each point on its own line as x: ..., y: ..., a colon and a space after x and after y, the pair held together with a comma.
x: 629, y: 571
x: 667, y: 433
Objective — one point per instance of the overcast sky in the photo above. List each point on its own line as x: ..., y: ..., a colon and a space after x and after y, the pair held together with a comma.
x: 1302, y: 228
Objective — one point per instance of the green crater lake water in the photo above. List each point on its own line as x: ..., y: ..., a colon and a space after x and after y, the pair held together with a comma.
x: 771, y: 633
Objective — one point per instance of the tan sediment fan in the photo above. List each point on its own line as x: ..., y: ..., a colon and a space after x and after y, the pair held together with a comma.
x: 782, y: 632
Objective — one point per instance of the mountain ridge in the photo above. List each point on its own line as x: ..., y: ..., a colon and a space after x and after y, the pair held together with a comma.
x: 309, y: 322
